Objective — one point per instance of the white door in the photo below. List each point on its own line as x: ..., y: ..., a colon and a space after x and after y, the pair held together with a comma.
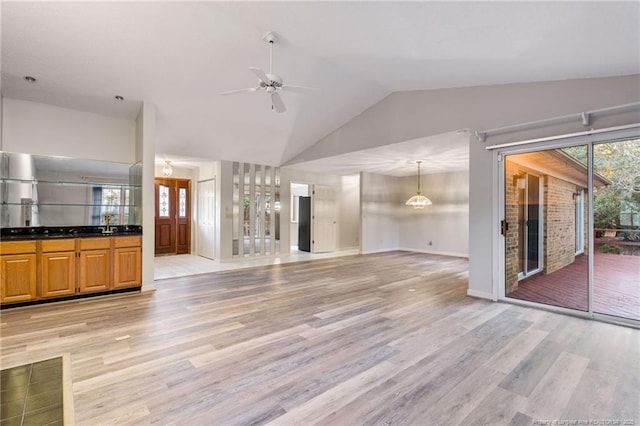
x: 323, y: 219
x: 206, y: 218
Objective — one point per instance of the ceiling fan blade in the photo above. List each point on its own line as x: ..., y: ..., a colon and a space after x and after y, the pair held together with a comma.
x: 260, y: 74
x: 299, y: 89
x: 277, y: 103
x: 252, y: 89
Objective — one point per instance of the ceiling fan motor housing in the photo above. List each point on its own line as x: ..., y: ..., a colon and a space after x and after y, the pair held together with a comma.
x: 275, y: 80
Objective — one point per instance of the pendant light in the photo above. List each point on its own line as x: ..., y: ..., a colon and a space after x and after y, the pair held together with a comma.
x: 167, y: 169
x: 418, y: 201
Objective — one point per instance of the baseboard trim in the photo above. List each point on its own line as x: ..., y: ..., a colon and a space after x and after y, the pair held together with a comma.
x: 380, y: 251
x: 479, y: 294
x: 441, y: 253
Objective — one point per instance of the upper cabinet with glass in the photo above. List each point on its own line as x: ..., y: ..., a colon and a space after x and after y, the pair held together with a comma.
x: 56, y: 191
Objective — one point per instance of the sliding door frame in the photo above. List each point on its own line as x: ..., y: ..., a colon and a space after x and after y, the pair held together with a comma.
x: 500, y: 153
x: 540, y: 225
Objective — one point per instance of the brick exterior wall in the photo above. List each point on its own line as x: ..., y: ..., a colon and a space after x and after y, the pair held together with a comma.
x: 560, y: 229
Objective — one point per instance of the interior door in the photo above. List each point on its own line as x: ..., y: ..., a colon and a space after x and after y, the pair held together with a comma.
x: 304, y: 224
x: 206, y: 218
x: 165, y: 221
x: 323, y: 219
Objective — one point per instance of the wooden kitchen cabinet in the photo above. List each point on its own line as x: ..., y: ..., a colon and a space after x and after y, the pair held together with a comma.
x: 127, y: 261
x: 94, y: 270
x: 18, y: 271
x: 57, y: 267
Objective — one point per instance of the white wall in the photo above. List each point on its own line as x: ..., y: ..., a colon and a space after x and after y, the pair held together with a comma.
x: 443, y: 227
x: 36, y: 128
x: 380, y: 201
x: 405, y: 116
x: 347, y: 206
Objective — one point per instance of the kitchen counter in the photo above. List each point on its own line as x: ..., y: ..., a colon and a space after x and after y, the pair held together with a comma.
x: 47, y: 232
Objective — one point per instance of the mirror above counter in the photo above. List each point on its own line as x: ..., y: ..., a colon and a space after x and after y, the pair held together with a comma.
x: 47, y: 191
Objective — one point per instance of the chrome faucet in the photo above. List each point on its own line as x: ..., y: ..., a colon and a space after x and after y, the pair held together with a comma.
x: 107, y: 229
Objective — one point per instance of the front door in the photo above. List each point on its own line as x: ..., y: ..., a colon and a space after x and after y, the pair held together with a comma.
x: 172, y: 216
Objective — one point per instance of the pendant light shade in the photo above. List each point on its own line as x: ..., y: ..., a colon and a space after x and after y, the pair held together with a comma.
x: 167, y: 169
x: 418, y: 201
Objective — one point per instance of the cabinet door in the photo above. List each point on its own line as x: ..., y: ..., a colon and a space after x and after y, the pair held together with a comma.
x: 127, y: 268
x: 58, y: 273
x: 18, y: 277
x: 94, y: 270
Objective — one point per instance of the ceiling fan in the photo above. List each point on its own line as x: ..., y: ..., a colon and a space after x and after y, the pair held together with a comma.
x: 270, y: 82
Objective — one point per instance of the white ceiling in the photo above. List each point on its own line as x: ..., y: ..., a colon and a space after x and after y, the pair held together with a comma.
x: 181, y: 55
x: 439, y: 154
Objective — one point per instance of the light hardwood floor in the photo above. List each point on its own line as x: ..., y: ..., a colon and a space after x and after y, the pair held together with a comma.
x: 377, y: 339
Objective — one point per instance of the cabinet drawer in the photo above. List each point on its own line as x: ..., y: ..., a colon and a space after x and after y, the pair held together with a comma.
x: 67, y: 244
x: 17, y: 247
x: 95, y: 243
x: 130, y: 241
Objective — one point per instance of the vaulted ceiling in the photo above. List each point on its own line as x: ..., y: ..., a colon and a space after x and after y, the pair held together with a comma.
x: 181, y: 55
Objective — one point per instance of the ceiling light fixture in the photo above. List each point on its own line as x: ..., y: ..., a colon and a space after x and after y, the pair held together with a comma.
x: 30, y: 79
x: 167, y: 169
x: 118, y: 98
x: 418, y: 201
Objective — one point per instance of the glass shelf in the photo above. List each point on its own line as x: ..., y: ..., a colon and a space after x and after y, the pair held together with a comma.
x: 114, y: 206
x: 67, y: 183
x: 55, y: 191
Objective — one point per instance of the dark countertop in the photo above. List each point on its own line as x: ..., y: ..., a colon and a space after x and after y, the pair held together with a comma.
x: 46, y: 232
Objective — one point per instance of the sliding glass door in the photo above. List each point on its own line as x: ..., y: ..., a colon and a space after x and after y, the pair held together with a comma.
x: 571, y: 227
x: 543, y: 227
x: 616, y: 208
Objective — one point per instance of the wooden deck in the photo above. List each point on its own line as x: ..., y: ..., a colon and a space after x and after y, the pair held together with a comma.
x: 616, y: 286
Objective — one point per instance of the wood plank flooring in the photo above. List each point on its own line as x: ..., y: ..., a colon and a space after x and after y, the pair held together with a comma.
x: 616, y: 286
x: 378, y: 339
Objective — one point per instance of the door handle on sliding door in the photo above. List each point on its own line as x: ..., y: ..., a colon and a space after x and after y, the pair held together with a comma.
x: 504, y: 227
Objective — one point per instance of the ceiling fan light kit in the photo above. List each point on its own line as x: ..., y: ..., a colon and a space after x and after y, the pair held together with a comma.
x: 270, y: 82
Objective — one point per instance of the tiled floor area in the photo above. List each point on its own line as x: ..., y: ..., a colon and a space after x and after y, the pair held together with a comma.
x: 32, y: 394
x: 183, y: 265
